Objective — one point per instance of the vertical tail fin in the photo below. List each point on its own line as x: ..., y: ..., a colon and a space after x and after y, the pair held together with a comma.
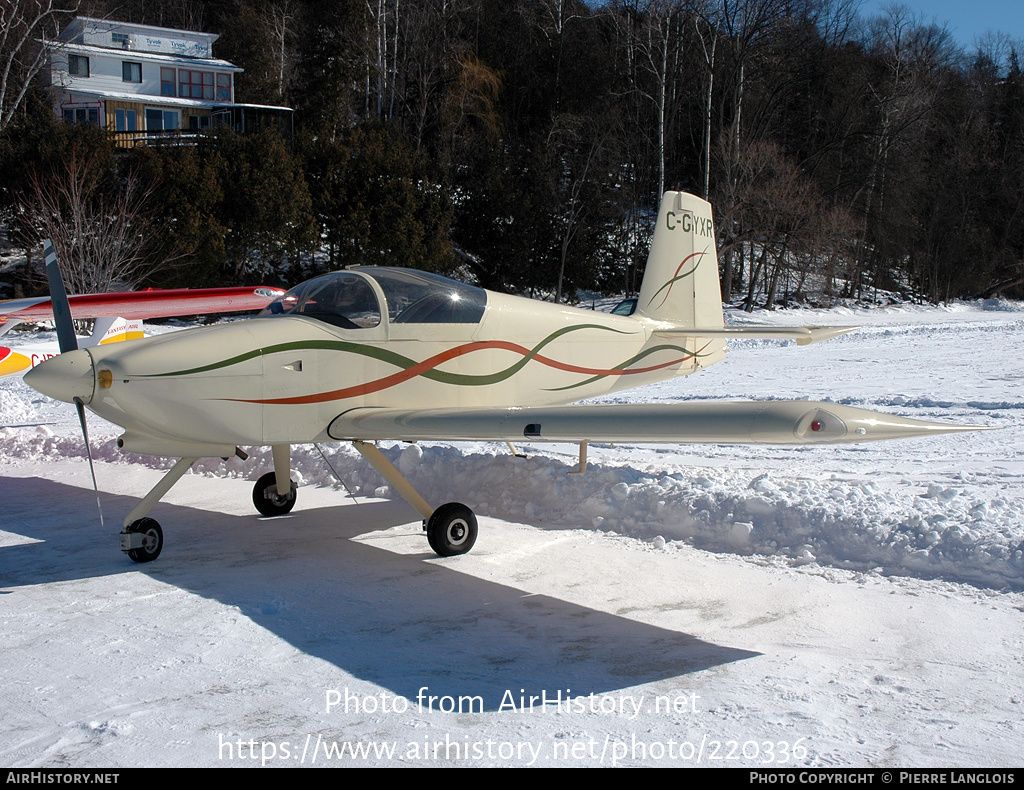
x: 112, y: 329
x: 681, y: 280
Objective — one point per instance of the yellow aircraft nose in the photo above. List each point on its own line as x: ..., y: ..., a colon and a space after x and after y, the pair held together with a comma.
x: 65, y: 377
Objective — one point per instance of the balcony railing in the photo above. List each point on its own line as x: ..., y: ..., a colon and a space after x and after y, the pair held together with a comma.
x: 161, y: 137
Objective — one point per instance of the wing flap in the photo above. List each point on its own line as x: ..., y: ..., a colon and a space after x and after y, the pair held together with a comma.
x: 803, y: 335
x: 771, y: 422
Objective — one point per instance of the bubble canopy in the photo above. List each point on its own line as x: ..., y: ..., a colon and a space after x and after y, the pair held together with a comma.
x: 347, y: 299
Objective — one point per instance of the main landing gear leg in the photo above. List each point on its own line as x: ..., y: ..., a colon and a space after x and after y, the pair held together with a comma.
x: 141, y: 537
x: 282, y: 454
x: 451, y: 529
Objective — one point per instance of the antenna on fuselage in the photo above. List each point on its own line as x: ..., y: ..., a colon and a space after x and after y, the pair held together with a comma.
x: 335, y: 472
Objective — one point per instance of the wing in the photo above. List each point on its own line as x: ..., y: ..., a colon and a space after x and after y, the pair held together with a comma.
x: 133, y: 306
x: 749, y: 422
x: 144, y: 304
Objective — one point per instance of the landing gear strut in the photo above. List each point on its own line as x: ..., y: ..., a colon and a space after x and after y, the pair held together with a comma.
x: 141, y: 537
x: 451, y: 529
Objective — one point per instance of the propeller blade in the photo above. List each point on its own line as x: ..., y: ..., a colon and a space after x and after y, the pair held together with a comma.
x: 66, y: 337
x: 88, y: 452
x: 68, y: 341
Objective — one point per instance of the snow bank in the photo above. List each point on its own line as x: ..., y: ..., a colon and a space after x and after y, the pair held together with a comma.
x: 938, y: 532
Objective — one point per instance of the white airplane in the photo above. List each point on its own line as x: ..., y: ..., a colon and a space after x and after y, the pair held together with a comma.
x: 387, y: 353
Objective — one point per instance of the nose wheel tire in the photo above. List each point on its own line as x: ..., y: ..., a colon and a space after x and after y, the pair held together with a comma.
x: 152, y: 540
x: 266, y: 499
x: 451, y: 530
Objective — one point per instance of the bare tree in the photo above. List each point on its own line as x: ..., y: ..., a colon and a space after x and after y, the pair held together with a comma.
x: 777, y: 214
x: 432, y: 61
x: 745, y: 25
x: 471, y: 102
x: 279, y: 20
x: 22, y: 24
x: 382, y: 55
x: 709, y: 43
x: 912, y: 55
x: 565, y: 141
x: 101, y: 240
x: 554, y: 15
x: 655, y: 42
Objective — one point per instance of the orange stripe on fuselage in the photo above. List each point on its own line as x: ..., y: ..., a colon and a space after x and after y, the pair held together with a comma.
x: 432, y: 362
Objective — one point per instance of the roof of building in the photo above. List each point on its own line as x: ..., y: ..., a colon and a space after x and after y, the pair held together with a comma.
x: 168, y: 101
x: 134, y: 54
x: 79, y: 21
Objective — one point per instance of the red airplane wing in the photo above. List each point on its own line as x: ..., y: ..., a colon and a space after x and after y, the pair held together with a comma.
x: 145, y: 304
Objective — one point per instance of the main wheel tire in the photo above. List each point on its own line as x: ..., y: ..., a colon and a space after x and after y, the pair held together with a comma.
x: 451, y: 530
x: 269, y: 503
x: 152, y: 540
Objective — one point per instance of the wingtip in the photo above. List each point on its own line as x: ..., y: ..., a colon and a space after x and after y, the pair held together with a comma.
x: 864, y: 425
x: 818, y: 334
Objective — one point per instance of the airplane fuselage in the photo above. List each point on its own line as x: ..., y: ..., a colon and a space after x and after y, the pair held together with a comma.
x: 283, y: 379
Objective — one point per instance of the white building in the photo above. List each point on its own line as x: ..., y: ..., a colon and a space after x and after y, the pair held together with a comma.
x: 143, y: 82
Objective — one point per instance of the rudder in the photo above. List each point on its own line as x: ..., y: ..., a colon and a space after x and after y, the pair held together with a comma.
x: 681, y: 279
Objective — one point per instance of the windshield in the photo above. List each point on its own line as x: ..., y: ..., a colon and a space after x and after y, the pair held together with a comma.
x: 342, y: 298
x: 347, y: 299
x: 416, y: 297
x: 625, y: 307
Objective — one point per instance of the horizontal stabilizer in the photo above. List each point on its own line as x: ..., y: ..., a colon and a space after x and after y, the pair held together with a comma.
x: 803, y: 335
x: 749, y: 422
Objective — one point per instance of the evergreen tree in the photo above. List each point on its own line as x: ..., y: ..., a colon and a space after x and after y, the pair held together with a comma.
x: 266, y: 210
x: 377, y: 203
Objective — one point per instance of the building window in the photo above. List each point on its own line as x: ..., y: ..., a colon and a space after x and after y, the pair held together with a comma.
x: 162, y: 120
x: 195, y: 84
x: 82, y: 115
x: 167, y: 82
x: 120, y: 38
x: 125, y: 121
x: 223, y: 87
x: 131, y: 72
x: 78, y: 65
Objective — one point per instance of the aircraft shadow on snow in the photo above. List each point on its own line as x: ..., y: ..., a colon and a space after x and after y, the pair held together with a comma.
x: 400, y: 621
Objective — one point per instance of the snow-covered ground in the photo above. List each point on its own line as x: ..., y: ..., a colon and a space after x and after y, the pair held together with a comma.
x: 713, y: 606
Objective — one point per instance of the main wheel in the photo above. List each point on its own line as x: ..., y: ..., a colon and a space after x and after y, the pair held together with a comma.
x: 451, y: 529
x: 266, y: 500
x: 152, y: 540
